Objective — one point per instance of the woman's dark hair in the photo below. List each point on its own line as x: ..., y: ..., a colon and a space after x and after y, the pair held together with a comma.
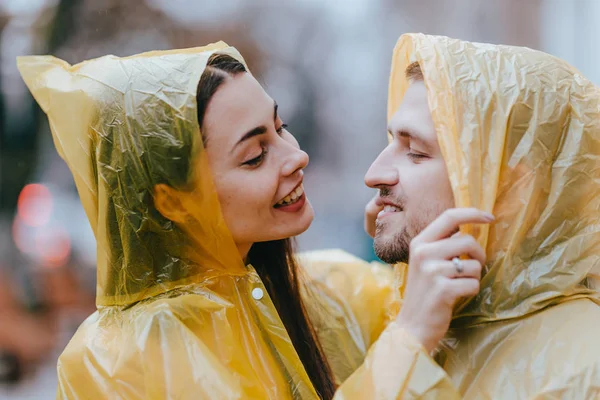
x: 274, y: 261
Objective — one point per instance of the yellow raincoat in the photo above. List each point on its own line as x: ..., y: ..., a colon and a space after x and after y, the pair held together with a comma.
x: 520, y: 133
x: 176, y: 316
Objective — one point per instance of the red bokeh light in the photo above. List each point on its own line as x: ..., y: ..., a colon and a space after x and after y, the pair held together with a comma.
x: 34, y: 232
x: 34, y: 206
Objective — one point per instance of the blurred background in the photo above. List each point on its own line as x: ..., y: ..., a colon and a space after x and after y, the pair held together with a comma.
x: 326, y: 62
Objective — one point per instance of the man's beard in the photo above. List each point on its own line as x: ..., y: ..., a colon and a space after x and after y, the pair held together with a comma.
x: 396, y: 250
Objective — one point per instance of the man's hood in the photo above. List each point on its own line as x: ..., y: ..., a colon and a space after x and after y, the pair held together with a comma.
x: 520, y: 133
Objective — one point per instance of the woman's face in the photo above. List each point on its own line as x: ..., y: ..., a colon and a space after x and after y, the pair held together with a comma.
x: 257, y: 165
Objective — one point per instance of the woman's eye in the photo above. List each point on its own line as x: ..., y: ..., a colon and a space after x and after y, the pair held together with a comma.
x: 256, y: 160
x: 280, y: 130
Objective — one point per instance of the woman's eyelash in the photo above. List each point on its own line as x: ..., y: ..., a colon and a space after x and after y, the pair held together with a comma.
x: 283, y: 126
x: 416, y: 156
x: 257, y: 160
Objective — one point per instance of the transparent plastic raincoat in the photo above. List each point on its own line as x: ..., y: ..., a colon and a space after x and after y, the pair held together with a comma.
x: 176, y: 316
x: 520, y: 133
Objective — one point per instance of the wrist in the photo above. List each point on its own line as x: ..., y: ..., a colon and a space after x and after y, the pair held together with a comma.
x: 419, y: 333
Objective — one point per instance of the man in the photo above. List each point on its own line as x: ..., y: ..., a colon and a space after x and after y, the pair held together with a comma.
x: 514, y: 132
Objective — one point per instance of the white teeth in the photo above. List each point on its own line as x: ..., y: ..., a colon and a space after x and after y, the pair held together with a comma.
x: 292, y: 197
x: 388, y: 209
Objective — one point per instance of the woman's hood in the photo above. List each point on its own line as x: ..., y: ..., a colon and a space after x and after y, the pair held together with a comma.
x: 123, y: 125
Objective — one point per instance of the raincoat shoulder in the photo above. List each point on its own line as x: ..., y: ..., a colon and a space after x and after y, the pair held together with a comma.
x: 557, y: 347
x: 155, y: 350
x: 347, y: 300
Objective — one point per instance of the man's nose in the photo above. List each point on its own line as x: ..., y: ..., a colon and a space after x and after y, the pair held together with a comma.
x: 382, y: 172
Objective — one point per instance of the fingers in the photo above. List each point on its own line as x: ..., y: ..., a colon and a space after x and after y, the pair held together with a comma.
x: 470, y: 269
x: 450, y: 221
x: 371, y: 211
x: 447, y: 249
x: 458, y: 288
x: 449, y: 291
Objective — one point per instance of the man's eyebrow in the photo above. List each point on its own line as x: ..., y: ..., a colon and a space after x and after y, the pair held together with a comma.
x: 404, y: 132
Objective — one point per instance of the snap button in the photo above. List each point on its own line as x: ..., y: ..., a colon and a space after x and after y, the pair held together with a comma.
x: 257, y: 293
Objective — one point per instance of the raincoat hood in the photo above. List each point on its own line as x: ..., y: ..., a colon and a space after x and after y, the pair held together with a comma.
x: 124, y: 125
x: 520, y: 133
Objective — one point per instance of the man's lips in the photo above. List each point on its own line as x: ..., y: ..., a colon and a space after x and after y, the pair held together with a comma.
x: 382, y: 202
x: 388, y: 207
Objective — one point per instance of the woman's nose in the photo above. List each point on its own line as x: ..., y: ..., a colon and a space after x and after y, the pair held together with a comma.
x: 297, y: 160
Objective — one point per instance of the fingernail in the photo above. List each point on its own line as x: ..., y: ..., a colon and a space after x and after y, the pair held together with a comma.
x: 489, y: 217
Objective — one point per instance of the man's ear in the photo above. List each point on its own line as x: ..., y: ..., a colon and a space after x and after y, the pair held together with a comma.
x: 168, y: 203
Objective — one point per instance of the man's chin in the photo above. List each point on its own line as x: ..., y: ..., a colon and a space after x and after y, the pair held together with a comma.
x: 391, y: 250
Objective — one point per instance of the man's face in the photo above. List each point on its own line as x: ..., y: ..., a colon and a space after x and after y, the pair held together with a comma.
x: 411, y: 176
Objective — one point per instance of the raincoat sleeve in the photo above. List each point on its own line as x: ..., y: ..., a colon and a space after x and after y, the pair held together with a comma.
x: 397, y: 367
x: 352, y: 304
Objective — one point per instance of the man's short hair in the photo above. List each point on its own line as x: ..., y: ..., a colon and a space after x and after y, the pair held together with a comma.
x: 413, y: 72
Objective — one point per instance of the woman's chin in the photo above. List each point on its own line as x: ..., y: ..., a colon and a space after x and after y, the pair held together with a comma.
x: 294, y: 225
x: 306, y: 219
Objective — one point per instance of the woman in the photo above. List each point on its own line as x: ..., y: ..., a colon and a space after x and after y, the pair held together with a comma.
x: 193, y: 187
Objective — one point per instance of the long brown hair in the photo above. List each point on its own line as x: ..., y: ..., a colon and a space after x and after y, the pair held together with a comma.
x: 274, y: 261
